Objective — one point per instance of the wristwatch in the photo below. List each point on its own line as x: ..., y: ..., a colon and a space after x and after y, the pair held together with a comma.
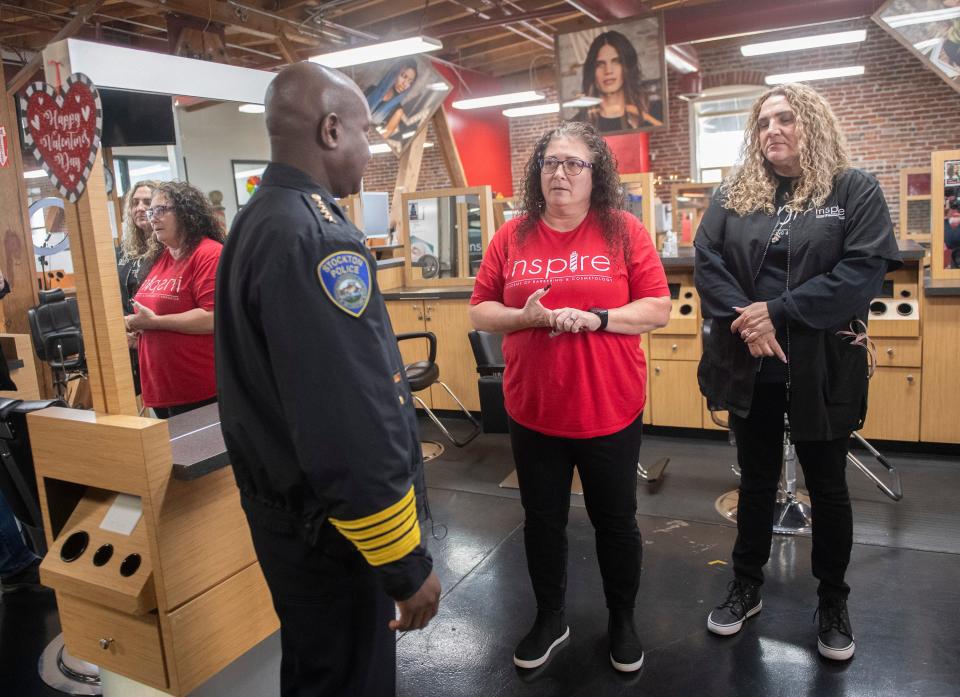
x: 602, y: 314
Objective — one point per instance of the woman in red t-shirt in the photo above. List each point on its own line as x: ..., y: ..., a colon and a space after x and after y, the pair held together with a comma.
x: 173, y: 318
x: 571, y: 285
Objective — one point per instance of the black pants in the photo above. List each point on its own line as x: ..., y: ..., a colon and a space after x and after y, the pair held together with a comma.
x: 333, y: 617
x: 760, y: 455
x: 167, y: 412
x: 608, y: 471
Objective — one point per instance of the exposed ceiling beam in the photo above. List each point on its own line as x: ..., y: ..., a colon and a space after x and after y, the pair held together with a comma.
x: 474, y: 25
x: 34, y: 64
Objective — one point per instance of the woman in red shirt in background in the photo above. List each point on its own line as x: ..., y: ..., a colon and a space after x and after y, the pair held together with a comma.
x: 571, y: 284
x: 174, y: 306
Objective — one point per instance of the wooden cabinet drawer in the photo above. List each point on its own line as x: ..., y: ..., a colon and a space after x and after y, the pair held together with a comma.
x: 675, y: 347
x: 893, y: 407
x: 903, y: 352
x: 675, y: 394
x: 132, y: 642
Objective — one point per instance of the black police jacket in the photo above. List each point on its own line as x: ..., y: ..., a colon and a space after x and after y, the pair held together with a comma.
x: 839, y: 255
x: 314, y: 404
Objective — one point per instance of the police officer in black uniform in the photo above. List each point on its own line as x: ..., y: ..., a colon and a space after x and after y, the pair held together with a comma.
x: 314, y: 405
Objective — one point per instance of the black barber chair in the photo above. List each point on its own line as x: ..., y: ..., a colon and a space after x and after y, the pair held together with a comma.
x: 18, y: 482
x: 57, y: 339
x: 488, y: 352
x: 18, y: 485
x: 422, y: 374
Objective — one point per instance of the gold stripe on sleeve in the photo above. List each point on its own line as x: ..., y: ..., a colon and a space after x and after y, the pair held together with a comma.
x: 369, y: 520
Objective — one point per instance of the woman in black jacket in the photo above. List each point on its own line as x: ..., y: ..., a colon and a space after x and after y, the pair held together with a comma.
x: 788, y: 257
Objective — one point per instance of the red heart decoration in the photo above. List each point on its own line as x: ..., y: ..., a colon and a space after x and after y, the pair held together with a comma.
x: 63, y: 128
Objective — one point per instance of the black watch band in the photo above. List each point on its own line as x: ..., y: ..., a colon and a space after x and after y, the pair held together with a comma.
x: 602, y: 314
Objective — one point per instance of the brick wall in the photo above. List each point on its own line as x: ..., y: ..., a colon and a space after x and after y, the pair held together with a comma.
x: 381, y: 173
x: 893, y: 116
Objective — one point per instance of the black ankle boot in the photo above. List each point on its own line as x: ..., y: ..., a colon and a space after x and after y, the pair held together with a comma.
x: 626, y: 653
x: 548, y: 632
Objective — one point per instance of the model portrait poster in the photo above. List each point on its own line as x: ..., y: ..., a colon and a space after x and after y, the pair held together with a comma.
x: 403, y: 95
x: 930, y: 29
x: 614, y: 76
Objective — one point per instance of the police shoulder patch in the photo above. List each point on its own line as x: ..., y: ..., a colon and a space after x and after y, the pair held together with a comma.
x: 345, y: 277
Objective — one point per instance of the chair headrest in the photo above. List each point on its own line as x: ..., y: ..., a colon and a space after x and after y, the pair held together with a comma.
x: 51, y: 296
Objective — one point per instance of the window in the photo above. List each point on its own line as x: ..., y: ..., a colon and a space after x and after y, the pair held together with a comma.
x: 718, y: 123
x: 130, y: 169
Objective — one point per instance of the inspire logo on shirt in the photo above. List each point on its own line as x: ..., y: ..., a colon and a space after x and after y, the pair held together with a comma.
x: 831, y: 212
x: 574, y: 265
x: 162, y: 286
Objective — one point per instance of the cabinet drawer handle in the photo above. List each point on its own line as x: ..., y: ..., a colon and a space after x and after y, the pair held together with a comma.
x: 910, y: 379
x: 674, y: 347
x: 890, y: 352
x: 656, y: 370
x: 105, y: 643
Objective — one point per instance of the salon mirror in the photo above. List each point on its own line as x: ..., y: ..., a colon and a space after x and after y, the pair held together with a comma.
x: 689, y: 202
x: 445, y: 233
x: 945, y: 215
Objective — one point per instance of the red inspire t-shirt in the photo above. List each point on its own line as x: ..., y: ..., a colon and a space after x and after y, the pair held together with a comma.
x: 573, y: 385
x: 178, y: 368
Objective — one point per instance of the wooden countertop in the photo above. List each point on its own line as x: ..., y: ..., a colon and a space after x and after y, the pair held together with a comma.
x: 941, y: 287
x: 197, y: 443
x: 429, y: 293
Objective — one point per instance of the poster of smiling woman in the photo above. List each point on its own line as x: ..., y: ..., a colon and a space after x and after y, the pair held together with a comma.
x: 402, y: 94
x: 614, y: 76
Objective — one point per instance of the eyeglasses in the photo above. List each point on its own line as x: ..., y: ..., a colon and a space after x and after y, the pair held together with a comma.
x: 572, y: 166
x: 158, y: 211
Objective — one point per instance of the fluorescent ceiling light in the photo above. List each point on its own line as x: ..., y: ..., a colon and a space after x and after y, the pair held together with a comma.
x: 380, y: 148
x: 534, y: 110
x: 927, y: 44
x: 807, y: 75
x: 906, y: 20
x: 378, y: 52
x: 499, y: 100
x: 803, y: 42
x: 581, y: 102
x: 34, y: 174
x: 438, y: 86
x: 251, y: 108
x: 678, y: 62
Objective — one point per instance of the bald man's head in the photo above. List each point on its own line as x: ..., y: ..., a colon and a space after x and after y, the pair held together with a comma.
x: 314, y: 117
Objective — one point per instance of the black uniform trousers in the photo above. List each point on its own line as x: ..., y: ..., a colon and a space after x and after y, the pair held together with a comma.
x: 760, y: 456
x: 333, y: 617
x: 608, y: 472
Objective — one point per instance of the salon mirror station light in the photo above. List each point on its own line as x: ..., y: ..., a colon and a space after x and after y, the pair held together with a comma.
x: 445, y: 233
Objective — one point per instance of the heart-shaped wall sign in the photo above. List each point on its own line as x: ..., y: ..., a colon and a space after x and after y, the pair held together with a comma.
x: 63, y: 126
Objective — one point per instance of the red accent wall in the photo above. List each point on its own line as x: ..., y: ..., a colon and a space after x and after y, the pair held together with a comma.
x: 632, y: 151
x: 482, y: 135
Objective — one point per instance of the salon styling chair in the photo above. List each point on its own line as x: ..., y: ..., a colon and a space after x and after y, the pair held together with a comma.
x: 488, y: 352
x: 18, y: 485
x: 422, y: 374
x: 57, y: 338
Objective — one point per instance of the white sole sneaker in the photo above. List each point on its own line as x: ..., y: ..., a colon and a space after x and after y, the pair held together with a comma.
x: 627, y: 667
x: 537, y: 662
x: 733, y: 627
x: 844, y: 654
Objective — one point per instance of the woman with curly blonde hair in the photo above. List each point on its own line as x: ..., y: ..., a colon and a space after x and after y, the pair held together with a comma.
x: 788, y: 257
x: 574, y: 383
x: 173, y: 316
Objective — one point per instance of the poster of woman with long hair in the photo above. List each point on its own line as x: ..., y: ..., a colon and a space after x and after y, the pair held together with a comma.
x: 402, y: 95
x: 614, y: 77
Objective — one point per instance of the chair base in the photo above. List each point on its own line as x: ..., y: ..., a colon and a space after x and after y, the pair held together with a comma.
x: 654, y: 472
x: 791, y: 515
x: 66, y: 674
x: 431, y: 450
x: 475, y: 430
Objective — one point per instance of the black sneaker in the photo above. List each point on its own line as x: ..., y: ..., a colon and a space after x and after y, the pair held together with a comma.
x: 626, y: 653
x: 743, y: 602
x: 835, y: 637
x: 26, y: 579
x: 548, y: 632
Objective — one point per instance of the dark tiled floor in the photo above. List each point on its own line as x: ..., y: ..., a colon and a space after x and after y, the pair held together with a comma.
x: 905, y: 569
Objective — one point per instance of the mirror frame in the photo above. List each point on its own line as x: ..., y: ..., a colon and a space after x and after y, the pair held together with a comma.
x: 937, y: 268
x: 648, y: 208
x: 675, y: 190
x: 485, y: 196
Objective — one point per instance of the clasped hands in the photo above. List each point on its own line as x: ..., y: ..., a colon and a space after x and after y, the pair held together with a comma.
x: 757, y: 331
x: 562, y: 320
x: 138, y: 322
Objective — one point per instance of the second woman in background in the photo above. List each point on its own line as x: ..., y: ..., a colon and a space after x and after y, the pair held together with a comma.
x: 174, y: 305
x: 138, y: 247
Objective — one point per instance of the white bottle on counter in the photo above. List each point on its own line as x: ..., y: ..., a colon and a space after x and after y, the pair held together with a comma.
x: 669, y: 244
